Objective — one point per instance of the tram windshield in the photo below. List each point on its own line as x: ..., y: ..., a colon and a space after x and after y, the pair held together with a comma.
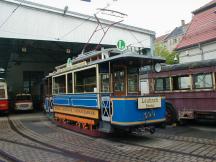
x: 3, y: 91
x: 23, y: 97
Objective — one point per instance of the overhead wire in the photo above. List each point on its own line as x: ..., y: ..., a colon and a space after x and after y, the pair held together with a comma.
x: 134, y: 43
x: 63, y: 36
x: 138, y: 41
x: 83, y: 22
x: 9, y: 16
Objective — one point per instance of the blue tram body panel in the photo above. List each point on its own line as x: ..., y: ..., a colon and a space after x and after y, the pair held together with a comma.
x: 126, y: 113
x: 77, y: 100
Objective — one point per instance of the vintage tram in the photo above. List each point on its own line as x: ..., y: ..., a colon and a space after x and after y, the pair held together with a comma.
x: 4, y: 102
x: 99, y: 91
x: 189, y: 89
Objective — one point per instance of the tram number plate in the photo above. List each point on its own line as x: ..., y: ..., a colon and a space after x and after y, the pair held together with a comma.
x: 149, y: 102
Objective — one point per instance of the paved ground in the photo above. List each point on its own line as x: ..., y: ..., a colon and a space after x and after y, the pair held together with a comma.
x: 31, y: 137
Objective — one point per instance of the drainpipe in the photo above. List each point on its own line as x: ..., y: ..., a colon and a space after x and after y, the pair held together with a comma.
x: 201, y: 49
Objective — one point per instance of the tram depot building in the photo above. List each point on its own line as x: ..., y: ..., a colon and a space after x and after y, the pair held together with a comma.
x: 32, y: 44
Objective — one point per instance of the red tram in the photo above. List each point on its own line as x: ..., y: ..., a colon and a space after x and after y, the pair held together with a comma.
x: 4, y: 103
x: 189, y: 88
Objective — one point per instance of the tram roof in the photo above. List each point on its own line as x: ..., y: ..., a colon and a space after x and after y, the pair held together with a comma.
x: 190, y: 65
x: 93, y: 53
x: 131, y: 56
x: 116, y: 56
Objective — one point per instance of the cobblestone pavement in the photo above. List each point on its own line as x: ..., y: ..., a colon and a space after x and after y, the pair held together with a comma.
x: 23, y: 149
x: 124, y: 148
x: 202, y: 135
x: 83, y: 148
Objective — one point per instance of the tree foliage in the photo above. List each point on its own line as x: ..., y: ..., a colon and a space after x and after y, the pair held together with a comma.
x: 162, y: 51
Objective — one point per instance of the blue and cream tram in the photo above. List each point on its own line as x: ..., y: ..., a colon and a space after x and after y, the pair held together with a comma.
x: 99, y: 91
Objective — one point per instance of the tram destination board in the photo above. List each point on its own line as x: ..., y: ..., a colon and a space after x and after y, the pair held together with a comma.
x: 149, y: 102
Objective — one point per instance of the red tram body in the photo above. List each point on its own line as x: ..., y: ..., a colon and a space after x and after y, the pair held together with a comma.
x: 4, y: 102
x: 189, y: 88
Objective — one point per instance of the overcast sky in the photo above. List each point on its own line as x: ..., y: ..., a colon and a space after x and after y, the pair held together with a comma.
x: 160, y: 16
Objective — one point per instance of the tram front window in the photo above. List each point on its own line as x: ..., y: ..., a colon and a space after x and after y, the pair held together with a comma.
x: 104, y: 82
x: 119, y: 82
x: 2, y: 93
x: 132, y: 80
x: 132, y: 83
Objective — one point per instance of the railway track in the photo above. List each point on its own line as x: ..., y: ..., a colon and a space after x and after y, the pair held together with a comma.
x: 17, y: 127
x: 180, y: 138
x: 100, y: 149
x: 8, y: 157
x: 181, y: 149
x: 90, y: 147
x: 185, y: 145
x: 16, y: 146
x: 202, y: 147
x: 129, y: 149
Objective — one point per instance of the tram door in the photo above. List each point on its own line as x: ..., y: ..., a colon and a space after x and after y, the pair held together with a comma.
x: 119, y: 81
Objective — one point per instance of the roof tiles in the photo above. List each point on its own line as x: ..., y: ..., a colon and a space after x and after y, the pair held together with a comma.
x: 201, y: 29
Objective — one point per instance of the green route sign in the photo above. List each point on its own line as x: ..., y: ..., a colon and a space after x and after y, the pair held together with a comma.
x: 121, y: 45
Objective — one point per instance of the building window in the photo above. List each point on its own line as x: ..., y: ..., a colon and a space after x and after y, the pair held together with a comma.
x: 181, y: 82
x: 202, y: 81
x: 162, y: 84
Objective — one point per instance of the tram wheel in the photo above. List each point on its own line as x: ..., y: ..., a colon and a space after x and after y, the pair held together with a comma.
x: 171, y: 114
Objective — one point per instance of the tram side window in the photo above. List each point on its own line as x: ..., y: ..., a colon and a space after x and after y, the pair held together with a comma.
x: 202, y: 81
x: 85, y: 81
x: 59, y: 84
x: 181, y: 82
x: 69, y: 83
x: 162, y: 84
x: 105, y: 83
